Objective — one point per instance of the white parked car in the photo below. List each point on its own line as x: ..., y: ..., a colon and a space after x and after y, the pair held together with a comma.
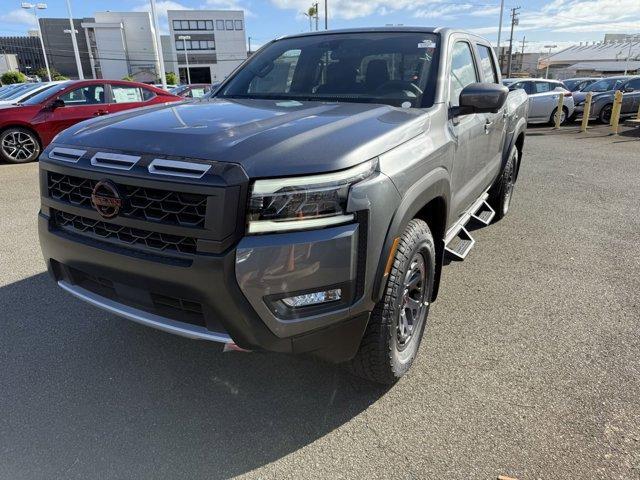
x: 25, y: 91
x: 543, y: 98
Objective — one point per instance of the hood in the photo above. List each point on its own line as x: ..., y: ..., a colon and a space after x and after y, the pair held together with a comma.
x: 266, y: 137
x: 581, y: 96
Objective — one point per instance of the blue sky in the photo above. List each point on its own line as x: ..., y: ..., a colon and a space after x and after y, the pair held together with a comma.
x: 560, y: 22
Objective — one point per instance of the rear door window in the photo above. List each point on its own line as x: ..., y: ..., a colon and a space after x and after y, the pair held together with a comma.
x: 487, y: 64
x: 126, y: 94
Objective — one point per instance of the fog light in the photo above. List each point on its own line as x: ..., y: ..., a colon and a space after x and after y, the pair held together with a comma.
x: 313, y: 298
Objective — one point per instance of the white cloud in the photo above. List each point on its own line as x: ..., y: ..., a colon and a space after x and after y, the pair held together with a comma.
x: 444, y: 11
x: 18, y: 17
x: 228, y: 5
x: 350, y: 9
x: 161, y: 7
x: 485, y: 12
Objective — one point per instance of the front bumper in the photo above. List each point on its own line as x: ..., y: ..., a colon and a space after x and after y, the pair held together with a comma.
x: 231, y: 295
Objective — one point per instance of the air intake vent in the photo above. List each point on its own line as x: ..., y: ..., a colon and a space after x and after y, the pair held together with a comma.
x: 178, y: 169
x: 114, y: 160
x: 66, y: 154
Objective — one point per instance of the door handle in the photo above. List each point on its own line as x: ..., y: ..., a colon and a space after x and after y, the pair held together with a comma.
x: 487, y: 126
x: 100, y: 112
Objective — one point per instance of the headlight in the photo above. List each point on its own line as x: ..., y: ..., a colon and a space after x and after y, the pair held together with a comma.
x: 299, y: 203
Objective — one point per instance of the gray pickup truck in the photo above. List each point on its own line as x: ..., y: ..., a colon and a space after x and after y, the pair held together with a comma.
x: 308, y: 207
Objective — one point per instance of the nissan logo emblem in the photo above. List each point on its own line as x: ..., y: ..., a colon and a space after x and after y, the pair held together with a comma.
x: 106, y: 199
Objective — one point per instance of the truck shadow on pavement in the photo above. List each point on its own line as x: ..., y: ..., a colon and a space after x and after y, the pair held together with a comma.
x: 88, y: 395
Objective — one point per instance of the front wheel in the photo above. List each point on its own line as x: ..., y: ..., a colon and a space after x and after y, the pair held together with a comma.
x: 18, y: 145
x: 501, y: 192
x: 390, y: 343
x: 605, y: 114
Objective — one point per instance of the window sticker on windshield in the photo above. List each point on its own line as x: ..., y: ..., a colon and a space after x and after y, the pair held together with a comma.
x: 427, y: 44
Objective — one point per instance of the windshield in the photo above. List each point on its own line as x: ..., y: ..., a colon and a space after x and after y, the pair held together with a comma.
x: 391, y: 68
x: 46, y: 94
x: 22, y: 91
x: 604, y: 85
x: 12, y: 89
x: 177, y: 90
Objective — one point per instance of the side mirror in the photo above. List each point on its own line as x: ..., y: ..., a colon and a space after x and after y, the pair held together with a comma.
x: 57, y: 103
x: 481, y: 98
x: 628, y: 89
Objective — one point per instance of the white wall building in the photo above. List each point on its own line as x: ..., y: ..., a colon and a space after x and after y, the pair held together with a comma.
x: 8, y: 63
x: 217, y: 43
x: 122, y: 44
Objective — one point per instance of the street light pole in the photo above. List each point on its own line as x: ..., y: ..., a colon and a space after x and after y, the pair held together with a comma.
x: 36, y: 7
x: 546, y: 75
x: 74, y: 41
x: 184, y: 39
x: 156, y: 28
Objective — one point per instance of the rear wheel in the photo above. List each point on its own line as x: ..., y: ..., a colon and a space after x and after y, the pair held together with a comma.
x: 397, y: 323
x: 502, y: 191
x: 18, y: 145
x: 563, y: 116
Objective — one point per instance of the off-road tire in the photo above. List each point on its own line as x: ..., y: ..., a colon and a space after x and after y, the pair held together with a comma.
x: 381, y: 358
x: 501, y: 192
x: 19, y: 145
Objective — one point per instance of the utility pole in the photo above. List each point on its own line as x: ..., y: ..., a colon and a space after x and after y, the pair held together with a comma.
x: 315, y: 6
x: 514, y: 22
x: 74, y: 42
x: 524, y: 42
x: 326, y: 16
x: 500, y: 56
x: 249, y: 45
x: 546, y: 75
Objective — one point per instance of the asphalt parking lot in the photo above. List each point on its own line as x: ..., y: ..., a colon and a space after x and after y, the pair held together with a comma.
x: 530, y: 366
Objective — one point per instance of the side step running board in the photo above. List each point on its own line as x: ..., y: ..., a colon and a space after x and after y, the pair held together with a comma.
x: 458, y: 241
x: 460, y: 245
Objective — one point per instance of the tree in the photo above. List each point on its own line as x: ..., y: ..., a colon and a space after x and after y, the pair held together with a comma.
x: 128, y: 78
x: 13, y: 77
x: 172, y: 78
x: 55, y: 75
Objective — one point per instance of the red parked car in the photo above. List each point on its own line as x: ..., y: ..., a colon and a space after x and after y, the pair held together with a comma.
x: 28, y: 127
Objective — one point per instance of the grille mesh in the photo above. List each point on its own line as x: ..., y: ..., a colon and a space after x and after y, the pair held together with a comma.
x: 124, y: 235
x: 149, y: 204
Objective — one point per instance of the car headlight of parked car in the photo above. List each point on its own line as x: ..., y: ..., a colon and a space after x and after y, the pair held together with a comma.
x: 301, y: 203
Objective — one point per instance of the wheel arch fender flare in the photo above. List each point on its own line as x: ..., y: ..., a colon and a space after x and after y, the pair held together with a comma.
x: 435, y: 185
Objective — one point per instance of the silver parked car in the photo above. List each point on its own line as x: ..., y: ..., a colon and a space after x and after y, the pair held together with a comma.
x: 543, y: 98
x: 604, y: 94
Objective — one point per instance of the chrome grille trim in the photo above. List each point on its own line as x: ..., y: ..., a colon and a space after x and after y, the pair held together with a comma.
x: 116, y: 161
x: 175, y: 168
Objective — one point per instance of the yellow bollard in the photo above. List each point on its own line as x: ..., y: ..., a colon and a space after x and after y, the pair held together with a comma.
x: 615, y: 113
x: 559, y: 110
x: 586, y: 112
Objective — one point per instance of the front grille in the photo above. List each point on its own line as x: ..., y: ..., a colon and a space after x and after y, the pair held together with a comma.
x: 149, y: 204
x: 123, y: 235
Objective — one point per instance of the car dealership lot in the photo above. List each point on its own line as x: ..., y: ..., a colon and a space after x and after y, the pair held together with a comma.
x: 529, y: 366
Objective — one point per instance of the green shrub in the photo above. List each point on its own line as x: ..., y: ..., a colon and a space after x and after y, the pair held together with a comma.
x: 172, y: 78
x: 13, y: 77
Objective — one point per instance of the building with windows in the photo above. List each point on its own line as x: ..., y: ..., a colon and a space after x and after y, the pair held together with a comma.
x: 212, y: 43
x: 121, y: 44
x: 57, y: 41
x: 28, y: 51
